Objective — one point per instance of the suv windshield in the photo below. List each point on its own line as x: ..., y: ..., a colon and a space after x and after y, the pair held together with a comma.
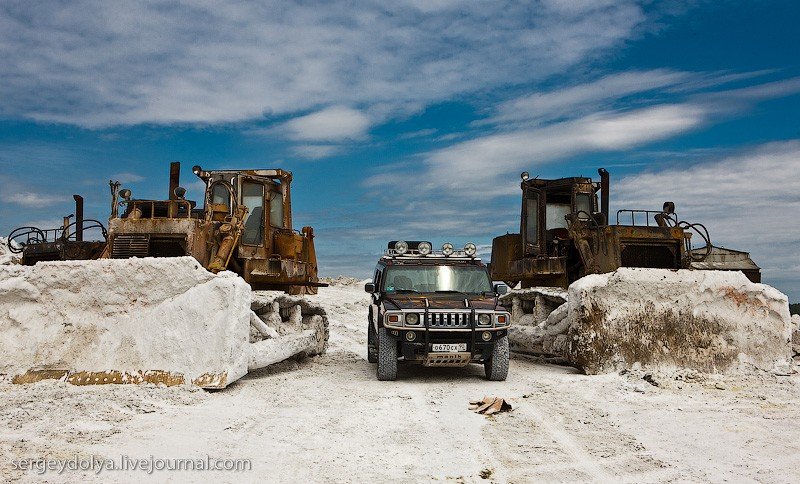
x: 467, y: 279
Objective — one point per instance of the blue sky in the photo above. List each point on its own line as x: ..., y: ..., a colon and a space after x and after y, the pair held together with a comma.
x: 412, y: 120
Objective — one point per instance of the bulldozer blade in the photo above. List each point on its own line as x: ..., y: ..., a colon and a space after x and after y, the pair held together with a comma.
x: 162, y: 321
x: 270, y: 351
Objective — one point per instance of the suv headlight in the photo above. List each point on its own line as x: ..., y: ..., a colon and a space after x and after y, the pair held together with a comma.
x: 412, y: 319
x: 484, y: 319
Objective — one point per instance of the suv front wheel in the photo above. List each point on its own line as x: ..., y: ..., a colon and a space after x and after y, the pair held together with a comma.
x: 496, y: 367
x: 387, y: 356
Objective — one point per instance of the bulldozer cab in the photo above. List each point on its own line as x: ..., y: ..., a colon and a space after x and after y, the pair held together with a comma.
x: 548, y: 205
x: 265, y: 194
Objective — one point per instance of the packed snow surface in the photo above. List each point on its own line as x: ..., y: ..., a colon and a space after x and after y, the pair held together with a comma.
x: 130, y: 316
x: 327, y: 419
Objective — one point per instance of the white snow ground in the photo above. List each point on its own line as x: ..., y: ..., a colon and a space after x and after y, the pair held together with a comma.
x: 328, y: 419
x: 6, y: 256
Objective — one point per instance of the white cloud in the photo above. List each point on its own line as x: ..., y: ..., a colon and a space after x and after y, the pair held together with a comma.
x: 581, y: 99
x: 44, y: 223
x: 421, y: 133
x: 127, y: 177
x: 225, y: 61
x: 316, y: 152
x: 29, y: 199
x: 335, y: 123
x: 484, y: 159
x: 748, y: 202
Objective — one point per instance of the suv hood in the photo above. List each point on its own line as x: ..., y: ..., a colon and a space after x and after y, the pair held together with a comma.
x: 439, y: 301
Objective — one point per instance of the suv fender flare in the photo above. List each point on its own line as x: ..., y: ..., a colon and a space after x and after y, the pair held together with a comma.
x: 375, y: 316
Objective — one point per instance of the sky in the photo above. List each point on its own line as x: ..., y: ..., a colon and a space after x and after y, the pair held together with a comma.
x: 412, y: 119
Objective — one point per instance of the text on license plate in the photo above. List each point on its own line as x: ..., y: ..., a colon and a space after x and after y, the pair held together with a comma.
x: 449, y: 347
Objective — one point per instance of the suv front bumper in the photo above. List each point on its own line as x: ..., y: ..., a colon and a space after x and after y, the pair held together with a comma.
x: 479, y: 345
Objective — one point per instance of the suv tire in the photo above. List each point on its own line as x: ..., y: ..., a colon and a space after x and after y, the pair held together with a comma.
x: 496, y: 367
x: 387, y: 356
x: 372, y: 345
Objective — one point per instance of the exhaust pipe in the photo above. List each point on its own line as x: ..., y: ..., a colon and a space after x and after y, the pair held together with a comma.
x: 78, y: 217
x: 604, y: 184
x: 174, y: 178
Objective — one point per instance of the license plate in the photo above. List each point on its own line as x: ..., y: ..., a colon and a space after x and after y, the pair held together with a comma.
x: 449, y: 347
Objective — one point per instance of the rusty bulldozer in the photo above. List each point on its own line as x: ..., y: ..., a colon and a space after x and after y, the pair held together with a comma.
x: 179, y: 293
x: 34, y: 244
x: 245, y: 226
x: 607, y: 294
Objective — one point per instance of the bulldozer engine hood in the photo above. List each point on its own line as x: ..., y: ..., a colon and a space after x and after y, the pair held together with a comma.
x: 440, y: 301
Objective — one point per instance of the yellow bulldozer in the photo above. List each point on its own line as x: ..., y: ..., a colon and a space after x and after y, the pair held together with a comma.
x: 566, y: 232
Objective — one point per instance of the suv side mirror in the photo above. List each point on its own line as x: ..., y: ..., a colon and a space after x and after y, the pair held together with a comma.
x: 500, y: 289
x: 369, y: 287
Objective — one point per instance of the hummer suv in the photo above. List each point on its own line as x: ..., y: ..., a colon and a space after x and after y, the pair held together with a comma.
x: 437, y: 308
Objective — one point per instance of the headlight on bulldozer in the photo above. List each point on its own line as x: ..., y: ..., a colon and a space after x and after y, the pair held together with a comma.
x: 412, y: 319
x: 484, y: 319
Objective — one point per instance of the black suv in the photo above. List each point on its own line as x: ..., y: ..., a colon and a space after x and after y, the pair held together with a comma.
x: 437, y: 308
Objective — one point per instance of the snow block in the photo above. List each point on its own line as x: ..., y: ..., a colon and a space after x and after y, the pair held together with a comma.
x: 124, y: 321
x: 710, y: 321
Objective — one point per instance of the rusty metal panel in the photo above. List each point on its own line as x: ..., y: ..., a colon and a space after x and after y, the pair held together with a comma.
x: 193, y: 231
x: 505, y: 248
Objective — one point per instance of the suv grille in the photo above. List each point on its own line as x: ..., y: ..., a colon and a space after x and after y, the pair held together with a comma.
x: 448, y: 320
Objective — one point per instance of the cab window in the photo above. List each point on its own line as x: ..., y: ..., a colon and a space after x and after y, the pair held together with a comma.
x: 558, y: 207
x: 253, y: 199
x: 583, y: 205
x: 276, y: 209
x: 532, y: 219
x: 221, y: 196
